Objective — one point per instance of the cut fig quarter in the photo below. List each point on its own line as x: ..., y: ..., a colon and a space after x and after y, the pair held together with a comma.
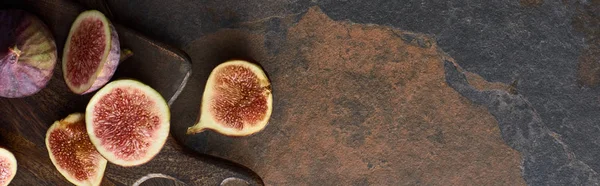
x: 91, y: 53
x: 72, y: 153
x: 128, y: 122
x: 237, y: 100
x: 8, y: 167
x: 27, y: 54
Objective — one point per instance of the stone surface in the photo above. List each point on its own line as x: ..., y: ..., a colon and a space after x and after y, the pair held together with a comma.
x: 359, y: 105
x: 542, y: 54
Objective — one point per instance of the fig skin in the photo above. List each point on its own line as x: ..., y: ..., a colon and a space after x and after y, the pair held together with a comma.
x: 27, y: 54
x: 12, y: 169
x: 110, y: 60
x: 211, y: 119
x: 72, y: 128
x: 147, y: 104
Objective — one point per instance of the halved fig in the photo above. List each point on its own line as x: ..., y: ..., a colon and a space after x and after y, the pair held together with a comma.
x: 91, y: 54
x: 27, y: 54
x: 237, y: 100
x: 8, y: 166
x: 128, y: 122
x: 72, y: 152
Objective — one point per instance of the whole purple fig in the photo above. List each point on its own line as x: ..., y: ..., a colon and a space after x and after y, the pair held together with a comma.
x: 27, y: 54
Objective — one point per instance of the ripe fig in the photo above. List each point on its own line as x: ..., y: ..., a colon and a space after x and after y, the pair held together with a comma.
x: 27, y: 54
x: 237, y: 100
x: 72, y: 152
x: 128, y: 122
x: 91, y: 54
x: 8, y: 167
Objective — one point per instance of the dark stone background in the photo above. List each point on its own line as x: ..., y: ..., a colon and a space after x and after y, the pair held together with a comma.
x: 548, y: 51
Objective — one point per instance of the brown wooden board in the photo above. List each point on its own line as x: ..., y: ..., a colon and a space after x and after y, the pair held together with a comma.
x: 24, y: 121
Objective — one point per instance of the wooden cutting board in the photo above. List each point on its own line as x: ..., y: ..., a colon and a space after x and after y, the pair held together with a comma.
x: 24, y: 121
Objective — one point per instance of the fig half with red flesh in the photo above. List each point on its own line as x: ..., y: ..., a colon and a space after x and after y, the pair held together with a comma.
x: 128, y: 122
x: 27, y: 54
x: 8, y: 166
x: 72, y: 152
x: 237, y: 100
x: 91, y: 54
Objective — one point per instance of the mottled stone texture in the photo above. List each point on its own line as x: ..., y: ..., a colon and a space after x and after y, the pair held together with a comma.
x: 587, y: 22
x: 547, y: 51
x: 357, y: 104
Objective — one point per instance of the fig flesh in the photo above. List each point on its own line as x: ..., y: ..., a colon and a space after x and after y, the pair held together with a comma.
x: 91, y: 54
x: 128, y: 122
x: 27, y: 54
x: 237, y: 100
x: 72, y: 152
x: 8, y: 167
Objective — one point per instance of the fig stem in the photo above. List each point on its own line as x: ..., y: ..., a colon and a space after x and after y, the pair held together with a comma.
x: 14, y: 54
x: 125, y: 53
x: 195, y: 130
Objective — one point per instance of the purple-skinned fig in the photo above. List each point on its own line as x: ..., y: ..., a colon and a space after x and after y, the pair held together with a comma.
x: 27, y: 54
x: 91, y: 54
